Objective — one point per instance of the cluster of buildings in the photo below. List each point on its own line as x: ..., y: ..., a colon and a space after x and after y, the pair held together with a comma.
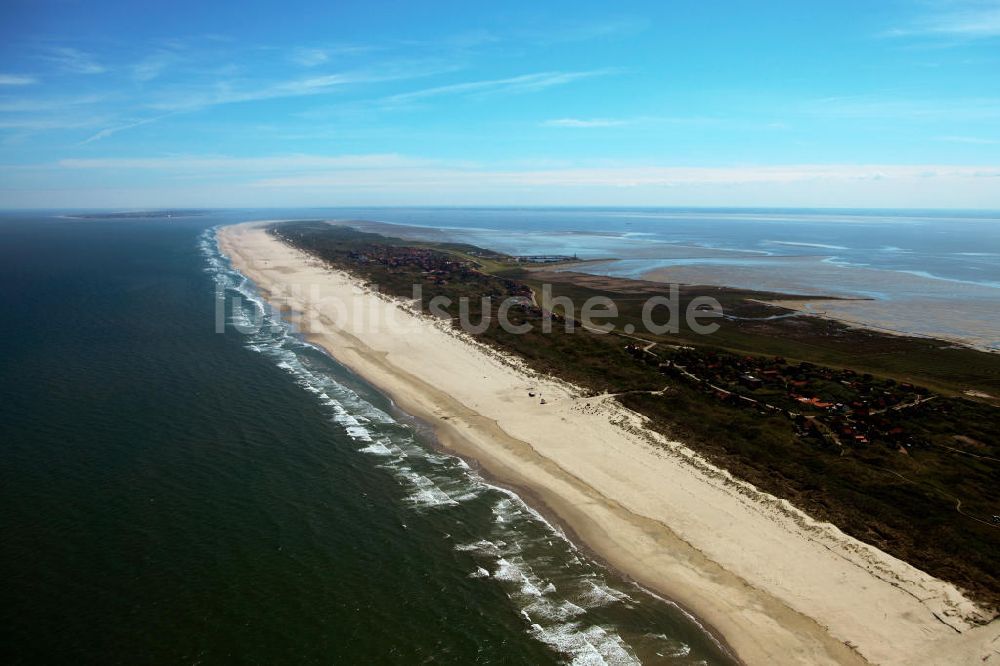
x: 425, y: 260
x: 438, y: 267
x: 840, y: 406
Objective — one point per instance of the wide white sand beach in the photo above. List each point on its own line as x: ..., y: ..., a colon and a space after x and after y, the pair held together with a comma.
x: 777, y: 586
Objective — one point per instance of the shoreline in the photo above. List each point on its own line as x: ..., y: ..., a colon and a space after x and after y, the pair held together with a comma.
x: 807, y: 307
x: 535, y: 502
x: 738, y: 563
x: 921, y: 310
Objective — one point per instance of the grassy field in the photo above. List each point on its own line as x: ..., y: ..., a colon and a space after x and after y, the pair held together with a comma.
x: 932, y: 505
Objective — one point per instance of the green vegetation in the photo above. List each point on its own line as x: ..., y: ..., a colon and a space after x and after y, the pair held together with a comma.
x: 920, y: 484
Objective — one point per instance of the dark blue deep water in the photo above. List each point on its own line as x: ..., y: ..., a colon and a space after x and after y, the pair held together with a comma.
x: 169, y: 494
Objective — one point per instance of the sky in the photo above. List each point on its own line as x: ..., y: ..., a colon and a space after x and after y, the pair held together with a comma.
x: 663, y: 103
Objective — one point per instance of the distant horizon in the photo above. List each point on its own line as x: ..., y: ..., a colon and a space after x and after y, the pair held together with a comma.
x: 734, y: 208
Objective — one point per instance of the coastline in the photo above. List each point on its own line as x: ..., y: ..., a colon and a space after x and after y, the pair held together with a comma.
x: 922, y: 307
x: 867, y: 314
x: 778, y: 587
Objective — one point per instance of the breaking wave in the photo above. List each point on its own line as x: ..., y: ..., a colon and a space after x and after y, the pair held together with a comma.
x: 566, y: 601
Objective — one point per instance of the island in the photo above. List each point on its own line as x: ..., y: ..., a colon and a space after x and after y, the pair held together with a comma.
x: 813, y: 492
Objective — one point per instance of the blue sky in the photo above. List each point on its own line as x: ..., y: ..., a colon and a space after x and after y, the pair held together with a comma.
x: 893, y: 103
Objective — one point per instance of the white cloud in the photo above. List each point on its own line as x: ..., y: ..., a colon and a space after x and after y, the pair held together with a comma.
x: 310, y: 57
x: 34, y: 104
x: 512, y: 85
x: 580, y: 122
x: 970, y: 19
x: 896, y: 186
x: 587, y: 31
x: 37, y: 123
x: 235, y: 91
x: 247, y: 164
x: 389, y: 179
x: 16, y: 80
x: 74, y: 60
x: 314, y: 56
x: 110, y: 131
x: 656, y: 176
x: 230, y: 92
x: 151, y: 67
x: 311, y: 171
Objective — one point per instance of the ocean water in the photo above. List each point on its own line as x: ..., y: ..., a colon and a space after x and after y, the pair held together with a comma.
x: 932, y: 273
x: 170, y: 494
x: 955, y: 246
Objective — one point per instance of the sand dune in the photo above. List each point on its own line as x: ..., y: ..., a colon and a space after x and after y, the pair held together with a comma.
x: 776, y: 585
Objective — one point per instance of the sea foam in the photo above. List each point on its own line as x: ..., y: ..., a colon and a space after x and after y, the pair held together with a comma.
x: 522, y: 551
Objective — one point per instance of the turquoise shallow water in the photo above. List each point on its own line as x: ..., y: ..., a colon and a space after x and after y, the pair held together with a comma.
x: 170, y: 494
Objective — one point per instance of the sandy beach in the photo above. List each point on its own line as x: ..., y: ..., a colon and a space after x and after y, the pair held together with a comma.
x: 775, y: 585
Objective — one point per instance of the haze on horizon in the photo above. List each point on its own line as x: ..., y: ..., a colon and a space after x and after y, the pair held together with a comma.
x: 842, y: 104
